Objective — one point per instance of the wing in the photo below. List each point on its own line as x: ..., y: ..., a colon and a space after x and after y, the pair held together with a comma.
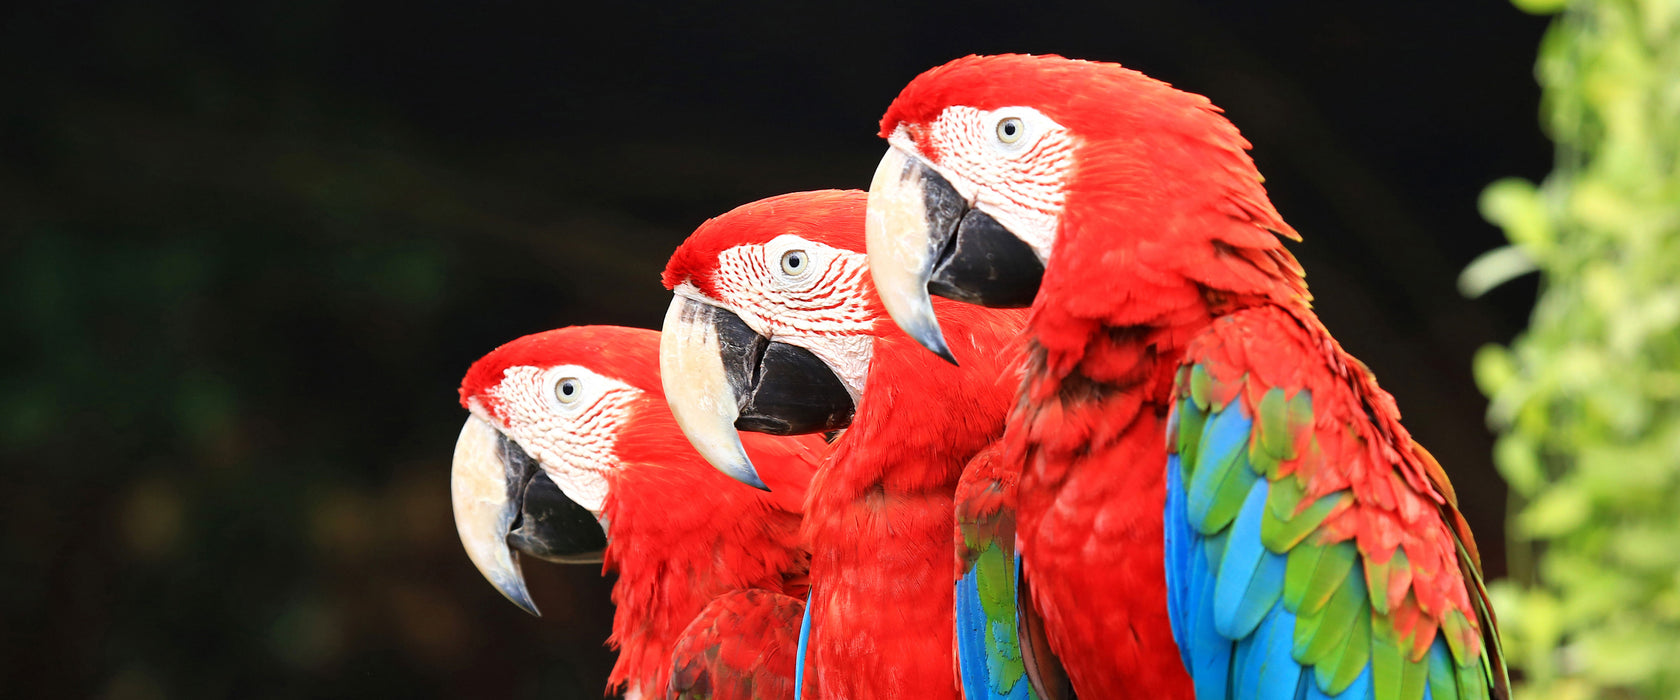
x: 1312, y: 551
x: 989, y: 661
x: 740, y: 647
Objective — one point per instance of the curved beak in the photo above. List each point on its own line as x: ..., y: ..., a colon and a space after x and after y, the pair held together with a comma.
x: 924, y: 237
x: 504, y: 504
x: 722, y: 377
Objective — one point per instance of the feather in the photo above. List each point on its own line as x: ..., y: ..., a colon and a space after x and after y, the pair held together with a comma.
x: 1285, y: 524
x: 1211, y: 651
x: 1358, y: 688
x: 1317, y: 573
x: 799, y: 655
x: 1393, y: 675
x: 737, y: 648
x: 1250, y: 578
x: 1270, y: 670
x: 1181, y: 552
x: 1191, y: 421
x: 1221, y: 477
x: 1321, y: 632
x: 1274, y: 434
x: 1378, y: 578
x: 1443, y: 681
x: 1347, y: 660
x: 1199, y: 387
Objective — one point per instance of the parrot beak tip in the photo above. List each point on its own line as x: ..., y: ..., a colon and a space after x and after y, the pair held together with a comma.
x: 744, y: 472
x: 924, y: 329
x: 517, y: 593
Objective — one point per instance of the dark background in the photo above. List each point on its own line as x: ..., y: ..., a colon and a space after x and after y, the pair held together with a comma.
x: 248, y: 249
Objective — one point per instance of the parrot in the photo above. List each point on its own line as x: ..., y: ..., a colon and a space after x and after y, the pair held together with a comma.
x: 572, y: 455
x: 773, y: 328
x: 1216, y: 499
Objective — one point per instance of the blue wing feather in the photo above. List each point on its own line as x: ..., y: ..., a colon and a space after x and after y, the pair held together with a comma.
x: 1250, y: 578
x: 1265, y: 662
x: 1210, y: 652
x: 1181, y: 549
x: 971, y: 628
x: 799, y: 656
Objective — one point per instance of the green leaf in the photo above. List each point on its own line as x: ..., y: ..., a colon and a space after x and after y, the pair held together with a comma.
x: 1555, y: 511
x: 1494, y: 369
x: 1494, y: 268
x: 1515, y: 205
x: 1516, y: 456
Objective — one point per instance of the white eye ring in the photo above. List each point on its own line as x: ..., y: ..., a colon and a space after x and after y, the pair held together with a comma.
x: 1011, y: 129
x: 795, y: 263
x: 567, y: 390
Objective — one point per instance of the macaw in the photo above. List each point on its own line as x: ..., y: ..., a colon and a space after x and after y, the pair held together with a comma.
x: 1217, y: 500
x: 774, y: 328
x: 572, y: 455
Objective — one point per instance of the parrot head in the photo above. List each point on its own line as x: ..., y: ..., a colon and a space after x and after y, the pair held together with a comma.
x: 772, y: 324
x: 553, y: 415
x: 774, y: 328
x: 998, y: 164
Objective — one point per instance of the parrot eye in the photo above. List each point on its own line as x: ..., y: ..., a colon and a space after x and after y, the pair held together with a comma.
x: 1011, y: 129
x: 567, y: 390
x: 794, y: 262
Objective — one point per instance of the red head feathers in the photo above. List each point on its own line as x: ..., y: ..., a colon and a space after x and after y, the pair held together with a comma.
x: 831, y: 217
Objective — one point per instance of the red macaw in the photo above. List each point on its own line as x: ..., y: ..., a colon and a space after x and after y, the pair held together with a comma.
x: 774, y: 328
x: 571, y: 448
x: 1217, y: 499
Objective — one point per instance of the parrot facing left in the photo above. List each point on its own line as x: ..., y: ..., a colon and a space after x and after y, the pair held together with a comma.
x: 774, y: 328
x: 571, y: 449
x: 1205, y: 468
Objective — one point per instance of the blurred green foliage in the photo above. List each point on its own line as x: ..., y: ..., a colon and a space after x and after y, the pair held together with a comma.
x: 1588, y: 399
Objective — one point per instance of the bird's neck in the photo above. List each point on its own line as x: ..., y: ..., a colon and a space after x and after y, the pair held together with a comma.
x: 921, y: 418
x: 680, y: 534
x: 881, y: 506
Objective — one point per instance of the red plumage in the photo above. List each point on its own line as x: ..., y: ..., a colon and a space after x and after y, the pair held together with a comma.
x: 675, y: 553
x: 710, y: 664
